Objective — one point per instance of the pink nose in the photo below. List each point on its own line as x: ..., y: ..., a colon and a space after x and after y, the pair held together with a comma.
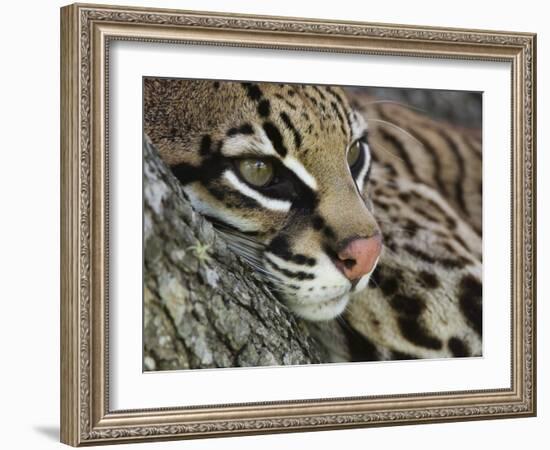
x: 359, y: 257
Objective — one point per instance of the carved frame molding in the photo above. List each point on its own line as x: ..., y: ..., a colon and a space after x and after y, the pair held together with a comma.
x: 86, y: 31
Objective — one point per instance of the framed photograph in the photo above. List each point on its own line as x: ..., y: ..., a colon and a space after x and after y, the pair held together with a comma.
x: 276, y: 224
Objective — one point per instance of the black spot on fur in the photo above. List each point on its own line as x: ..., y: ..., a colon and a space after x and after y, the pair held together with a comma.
x: 338, y: 114
x: 290, y: 125
x: 216, y: 85
x: 461, y: 168
x: 360, y: 348
x: 206, y: 145
x: 318, y: 90
x: 211, y: 168
x: 329, y: 232
x: 421, y: 211
x: 292, y: 106
x: 281, y: 247
x: 451, y: 222
x: 448, y: 246
x: 409, y: 309
x: 312, y: 100
x: 382, y: 205
x: 390, y: 243
x: 264, y: 108
x: 253, y: 91
x: 458, y: 239
x: 289, y: 104
x: 303, y: 259
x: 470, y: 301
x: 299, y: 259
x: 318, y: 222
x: 404, y: 196
x: 330, y: 252
x: 411, y: 227
x: 275, y: 137
x: 389, y: 285
x: 412, y: 330
x: 458, y: 348
x: 390, y: 169
x: 407, y: 305
x: 299, y: 275
x: 445, y: 262
x: 341, y: 102
x: 428, y: 279
x: 243, y: 129
x: 402, y: 152
x: 419, y: 254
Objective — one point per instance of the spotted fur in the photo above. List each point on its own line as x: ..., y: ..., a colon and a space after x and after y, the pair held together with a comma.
x: 417, y: 183
x: 424, y: 299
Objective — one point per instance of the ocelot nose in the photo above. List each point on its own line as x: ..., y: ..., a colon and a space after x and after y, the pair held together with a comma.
x: 359, y: 256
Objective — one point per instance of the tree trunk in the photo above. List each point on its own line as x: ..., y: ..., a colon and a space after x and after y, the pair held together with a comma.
x: 204, y: 307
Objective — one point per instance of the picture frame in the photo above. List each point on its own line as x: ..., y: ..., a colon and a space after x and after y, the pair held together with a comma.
x: 87, y: 32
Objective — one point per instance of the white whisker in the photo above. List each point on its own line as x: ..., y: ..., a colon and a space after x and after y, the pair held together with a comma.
x: 388, y: 152
x: 385, y: 122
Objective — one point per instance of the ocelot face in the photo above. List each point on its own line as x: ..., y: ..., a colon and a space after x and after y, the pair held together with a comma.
x: 282, y: 172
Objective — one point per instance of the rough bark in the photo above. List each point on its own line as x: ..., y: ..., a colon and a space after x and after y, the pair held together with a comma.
x: 203, y: 307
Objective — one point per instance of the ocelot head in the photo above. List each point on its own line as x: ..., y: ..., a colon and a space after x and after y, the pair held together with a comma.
x: 282, y: 171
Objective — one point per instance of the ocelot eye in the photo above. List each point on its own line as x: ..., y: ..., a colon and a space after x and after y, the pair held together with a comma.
x: 257, y: 172
x: 354, y: 153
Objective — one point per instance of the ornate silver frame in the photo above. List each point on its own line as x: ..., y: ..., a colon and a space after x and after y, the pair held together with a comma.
x: 86, y: 31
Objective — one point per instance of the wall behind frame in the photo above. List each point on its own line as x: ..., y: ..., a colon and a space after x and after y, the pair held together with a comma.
x: 29, y: 237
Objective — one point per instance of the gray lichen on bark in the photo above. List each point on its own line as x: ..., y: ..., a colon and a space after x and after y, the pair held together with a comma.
x: 203, y: 306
